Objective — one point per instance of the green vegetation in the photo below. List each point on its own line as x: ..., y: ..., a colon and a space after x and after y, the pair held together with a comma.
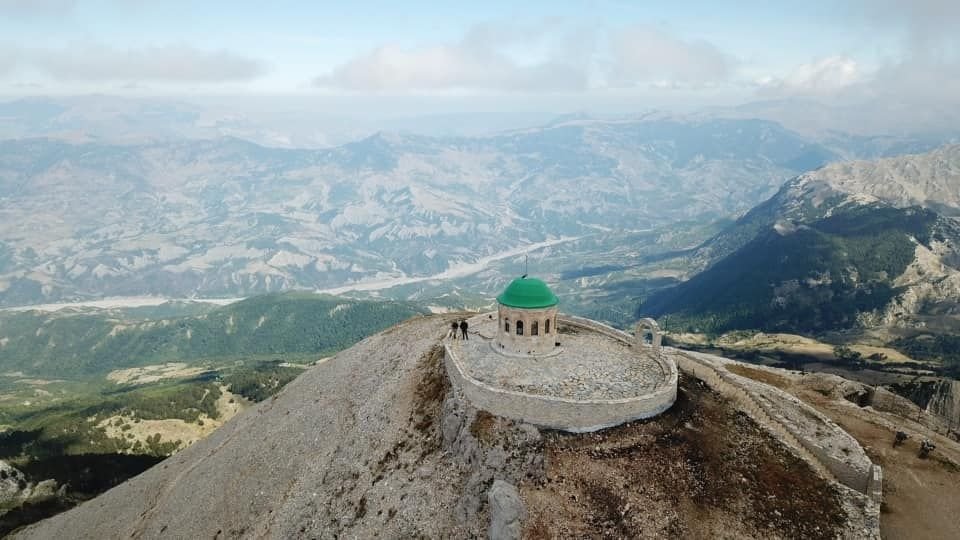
x: 819, y: 277
x: 71, y: 426
x: 941, y: 348
x: 167, y: 310
x: 262, y: 380
x: 244, y: 346
x: 86, y: 476
x: 56, y: 400
x: 846, y: 354
x: 91, y: 345
x: 186, y: 400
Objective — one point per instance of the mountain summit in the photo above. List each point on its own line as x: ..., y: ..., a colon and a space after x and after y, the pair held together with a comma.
x: 377, y: 442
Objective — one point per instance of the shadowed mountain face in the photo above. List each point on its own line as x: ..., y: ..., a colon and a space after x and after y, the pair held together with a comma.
x: 228, y: 217
x: 852, y: 244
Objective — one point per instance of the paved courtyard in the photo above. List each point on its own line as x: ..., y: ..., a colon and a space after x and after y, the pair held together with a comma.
x: 591, y: 366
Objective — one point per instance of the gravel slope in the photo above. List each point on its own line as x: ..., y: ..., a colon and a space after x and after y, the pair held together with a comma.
x: 288, y: 467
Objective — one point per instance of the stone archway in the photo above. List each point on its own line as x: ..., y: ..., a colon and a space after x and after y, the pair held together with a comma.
x: 648, y: 333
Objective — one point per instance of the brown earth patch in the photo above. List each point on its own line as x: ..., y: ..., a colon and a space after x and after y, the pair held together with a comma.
x: 759, y: 375
x: 701, y: 470
x: 154, y: 373
x: 431, y: 389
x: 484, y: 427
x: 422, y: 434
x: 171, y: 430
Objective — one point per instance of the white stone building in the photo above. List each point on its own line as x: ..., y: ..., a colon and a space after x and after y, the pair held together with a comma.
x: 527, y: 319
x: 530, y: 363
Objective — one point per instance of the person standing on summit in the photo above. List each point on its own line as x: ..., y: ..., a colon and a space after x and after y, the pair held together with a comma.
x: 453, y: 330
x: 463, y: 329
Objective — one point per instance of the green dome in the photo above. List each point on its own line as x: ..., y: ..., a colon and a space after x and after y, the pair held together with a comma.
x: 528, y: 293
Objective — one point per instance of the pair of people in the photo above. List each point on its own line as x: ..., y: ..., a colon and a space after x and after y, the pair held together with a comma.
x: 462, y: 326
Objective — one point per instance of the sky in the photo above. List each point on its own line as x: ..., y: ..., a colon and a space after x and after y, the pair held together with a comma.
x: 578, y: 53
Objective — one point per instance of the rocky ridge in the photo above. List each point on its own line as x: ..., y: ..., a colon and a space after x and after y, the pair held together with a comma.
x: 226, y: 217
x: 930, y: 179
x: 879, y: 235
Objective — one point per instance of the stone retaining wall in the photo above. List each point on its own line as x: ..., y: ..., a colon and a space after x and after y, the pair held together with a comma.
x: 578, y: 416
x: 598, y: 327
x: 866, y: 480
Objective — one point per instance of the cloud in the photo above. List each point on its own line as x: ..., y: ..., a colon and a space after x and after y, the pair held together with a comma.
x: 924, y: 21
x: 479, y: 61
x: 390, y: 67
x: 822, y: 77
x: 93, y: 62
x: 921, y: 80
x: 557, y: 59
x: 643, y: 54
x: 920, y: 73
x: 7, y: 60
x: 924, y: 73
x: 36, y: 8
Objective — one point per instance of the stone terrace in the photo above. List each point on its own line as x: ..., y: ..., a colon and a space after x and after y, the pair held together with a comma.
x: 591, y: 366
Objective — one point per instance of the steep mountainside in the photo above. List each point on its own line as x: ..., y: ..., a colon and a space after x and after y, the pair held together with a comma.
x: 228, y: 217
x: 852, y: 244
x: 373, y: 443
x: 931, y: 180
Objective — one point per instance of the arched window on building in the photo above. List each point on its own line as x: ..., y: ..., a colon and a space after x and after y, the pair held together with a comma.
x: 535, y: 328
x: 506, y: 325
x: 546, y: 329
x: 519, y: 328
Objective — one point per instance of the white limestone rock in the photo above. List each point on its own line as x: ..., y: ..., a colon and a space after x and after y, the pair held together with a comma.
x: 507, y: 511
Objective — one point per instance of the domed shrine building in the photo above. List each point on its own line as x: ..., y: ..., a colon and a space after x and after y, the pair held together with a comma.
x: 529, y: 362
x: 527, y: 319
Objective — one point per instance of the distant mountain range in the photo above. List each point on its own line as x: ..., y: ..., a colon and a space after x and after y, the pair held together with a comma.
x: 226, y: 217
x: 114, y: 120
x: 866, y: 243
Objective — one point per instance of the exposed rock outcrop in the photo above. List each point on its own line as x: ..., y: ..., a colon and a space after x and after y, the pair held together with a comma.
x: 506, y: 511
x: 945, y: 402
x: 16, y: 489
